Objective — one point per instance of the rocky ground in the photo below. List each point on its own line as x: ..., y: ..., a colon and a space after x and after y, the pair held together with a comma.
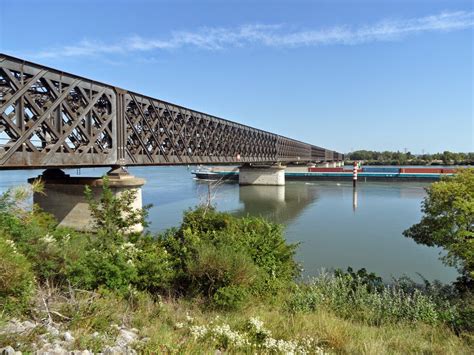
x: 53, y: 339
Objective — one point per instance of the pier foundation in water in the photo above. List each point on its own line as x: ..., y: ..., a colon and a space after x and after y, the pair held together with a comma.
x: 63, y: 196
x: 272, y: 175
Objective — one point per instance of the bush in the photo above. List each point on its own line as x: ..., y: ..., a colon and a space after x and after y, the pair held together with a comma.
x: 230, y: 297
x: 154, y: 267
x: 36, y: 235
x: 111, y: 267
x: 212, y: 251
x: 109, y: 257
x: 16, y: 278
x: 114, y: 257
x: 361, y: 277
x: 214, y: 267
x: 464, y: 320
x: 114, y: 216
x: 119, y: 265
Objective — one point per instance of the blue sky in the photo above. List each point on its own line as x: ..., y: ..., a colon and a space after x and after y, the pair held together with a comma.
x: 347, y: 75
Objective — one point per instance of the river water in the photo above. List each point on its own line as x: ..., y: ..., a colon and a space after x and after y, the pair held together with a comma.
x: 335, y: 228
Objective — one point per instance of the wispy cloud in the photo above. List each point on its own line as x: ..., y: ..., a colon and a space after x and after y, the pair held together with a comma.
x: 270, y: 36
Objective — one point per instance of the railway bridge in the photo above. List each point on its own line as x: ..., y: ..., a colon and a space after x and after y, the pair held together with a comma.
x: 54, y: 120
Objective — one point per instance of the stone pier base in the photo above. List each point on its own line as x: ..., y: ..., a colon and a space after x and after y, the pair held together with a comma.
x: 63, y: 195
x: 262, y: 175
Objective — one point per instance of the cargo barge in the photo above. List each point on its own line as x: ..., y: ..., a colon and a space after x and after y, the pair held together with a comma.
x: 337, y: 174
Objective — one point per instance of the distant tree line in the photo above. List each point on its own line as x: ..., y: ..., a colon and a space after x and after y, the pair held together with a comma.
x: 371, y: 157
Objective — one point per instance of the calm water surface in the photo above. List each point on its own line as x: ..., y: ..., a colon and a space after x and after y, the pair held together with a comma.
x: 332, y: 230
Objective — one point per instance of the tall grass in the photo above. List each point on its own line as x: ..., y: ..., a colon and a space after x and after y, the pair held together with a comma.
x: 183, y: 326
x: 350, y: 297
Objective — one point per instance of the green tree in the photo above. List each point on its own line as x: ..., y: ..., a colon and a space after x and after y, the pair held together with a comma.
x: 115, y: 216
x: 448, y: 221
x: 448, y: 157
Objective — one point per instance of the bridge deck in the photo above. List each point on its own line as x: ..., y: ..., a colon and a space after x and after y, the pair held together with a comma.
x: 50, y: 118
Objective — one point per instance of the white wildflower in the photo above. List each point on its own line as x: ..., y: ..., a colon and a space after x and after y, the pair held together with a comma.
x: 198, y: 331
x: 12, y: 245
x: 189, y: 318
x: 160, y: 302
x: 129, y: 250
x: 48, y: 238
x: 234, y: 337
x: 256, y: 323
x: 258, y: 327
x: 284, y: 346
x: 179, y: 325
x: 129, y: 247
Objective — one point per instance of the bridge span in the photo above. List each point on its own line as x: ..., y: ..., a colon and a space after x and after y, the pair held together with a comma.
x: 50, y: 118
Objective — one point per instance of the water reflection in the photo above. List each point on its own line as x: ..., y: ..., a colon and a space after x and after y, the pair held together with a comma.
x: 281, y: 204
x: 354, y: 198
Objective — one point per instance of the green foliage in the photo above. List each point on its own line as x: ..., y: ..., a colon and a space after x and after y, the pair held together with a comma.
x: 109, y: 257
x: 464, y: 320
x: 215, y: 267
x: 109, y: 267
x: 361, y: 276
x: 448, y: 221
x: 35, y: 235
x: 214, y: 256
x: 115, y: 256
x: 214, y: 250
x: 352, y: 297
x: 16, y: 278
x: 114, y: 215
x: 153, y: 266
x: 230, y: 297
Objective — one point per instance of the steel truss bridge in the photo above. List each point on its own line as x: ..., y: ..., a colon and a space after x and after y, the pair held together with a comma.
x: 50, y: 118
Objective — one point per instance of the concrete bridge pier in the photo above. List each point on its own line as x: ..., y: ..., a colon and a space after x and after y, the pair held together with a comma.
x: 63, y: 195
x: 270, y: 175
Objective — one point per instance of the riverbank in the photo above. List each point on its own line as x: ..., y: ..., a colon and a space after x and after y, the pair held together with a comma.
x: 217, y: 283
x: 104, y: 322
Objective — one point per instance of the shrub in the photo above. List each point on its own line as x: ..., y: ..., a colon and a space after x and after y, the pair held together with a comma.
x: 154, y: 267
x: 464, y: 320
x: 109, y: 257
x: 35, y: 234
x: 361, y: 277
x: 114, y: 257
x: 110, y: 267
x: 213, y: 250
x: 230, y: 297
x: 214, y: 267
x: 114, y: 216
x: 16, y: 278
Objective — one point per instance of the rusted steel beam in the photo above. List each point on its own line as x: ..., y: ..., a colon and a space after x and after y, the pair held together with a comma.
x: 49, y: 118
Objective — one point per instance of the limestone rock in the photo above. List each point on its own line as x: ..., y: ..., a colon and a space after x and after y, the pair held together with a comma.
x: 7, y: 351
x: 68, y: 337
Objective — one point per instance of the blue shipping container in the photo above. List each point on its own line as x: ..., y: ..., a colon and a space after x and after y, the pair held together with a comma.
x: 368, y: 169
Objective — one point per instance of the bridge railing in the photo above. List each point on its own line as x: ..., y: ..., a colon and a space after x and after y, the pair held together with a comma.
x: 54, y: 119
